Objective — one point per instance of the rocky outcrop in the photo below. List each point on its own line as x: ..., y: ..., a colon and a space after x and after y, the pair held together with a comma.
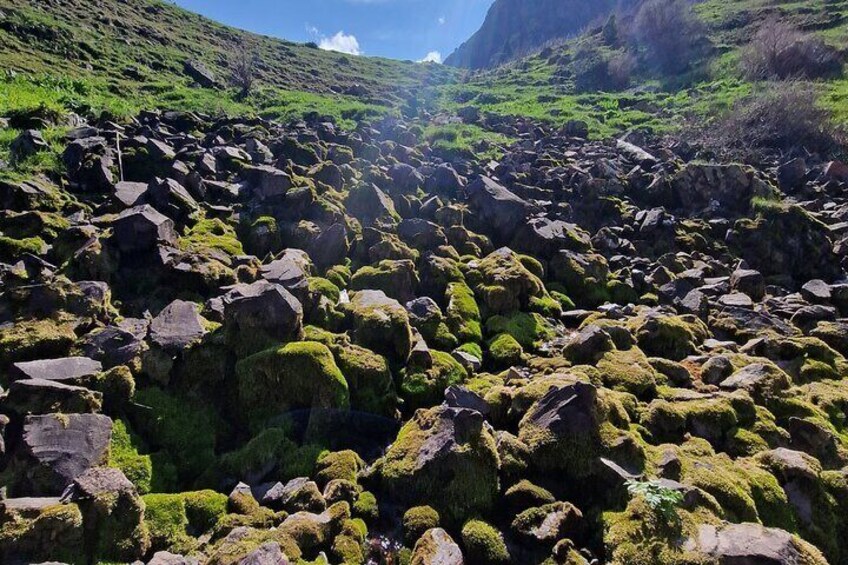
x: 516, y: 27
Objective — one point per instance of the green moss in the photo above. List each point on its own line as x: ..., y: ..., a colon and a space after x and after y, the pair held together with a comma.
x: 203, y: 509
x: 503, y: 283
x: 576, y: 452
x: 462, y: 314
x: 642, y: 536
x: 35, y: 537
x: 212, y: 234
x: 165, y: 516
x: 35, y: 339
x: 547, y: 306
x: 472, y: 349
x: 504, y: 351
x: 13, y: 249
x: 483, y: 543
x: 366, y: 507
x: 372, y: 388
x: 124, y: 455
x: 184, y: 427
x: 459, y: 483
x: 710, y: 418
x: 524, y: 495
x: 117, y: 386
x: 418, y: 520
x: 583, y: 276
x: 422, y: 387
x: 324, y: 287
x: 231, y: 552
x: 344, y: 465
x: 381, y: 325
x: 348, y: 550
x: 529, y: 330
x: 628, y: 371
x: 672, y: 337
x: 271, y: 447
x: 396, y: 278
x: 339, y: 275
x: 299, y: 374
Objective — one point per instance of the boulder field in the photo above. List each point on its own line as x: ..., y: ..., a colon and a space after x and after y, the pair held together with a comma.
x: 229, y: 341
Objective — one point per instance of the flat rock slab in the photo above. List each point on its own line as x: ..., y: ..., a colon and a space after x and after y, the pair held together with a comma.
x: 64, y: 369
x: 58, y: 448
x: 748, y: 544
x: 177, y: 326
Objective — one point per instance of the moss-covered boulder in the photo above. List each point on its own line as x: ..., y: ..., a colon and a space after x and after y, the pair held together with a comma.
x: 369, y: 378
x: 584, y: 276
x: 786, y: 240
x: 462, y: 313
x: 397, y: 279
x: 418, y: 520
x: 40, y: 529
x: 381, y: 324
x: 628, y: 371
x: 113, y: 514
x: 671, y: 337
x: 26, y: 340
x: 572, y: 426
x: 298, y: 374
x: 424, y: 386
x: 546, y: 525
x: 444, y: 457
x: 483, y: 543
x: 503, y: 283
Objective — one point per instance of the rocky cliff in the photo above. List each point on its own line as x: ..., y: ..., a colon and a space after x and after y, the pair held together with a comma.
x: 514, y: 27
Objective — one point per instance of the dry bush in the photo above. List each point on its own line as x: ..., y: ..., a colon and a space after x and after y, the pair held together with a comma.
x: 670, y: 34
x: 780, y: 51
x: 779, y: 119
x: 596, y: 69
x: 243, y: 68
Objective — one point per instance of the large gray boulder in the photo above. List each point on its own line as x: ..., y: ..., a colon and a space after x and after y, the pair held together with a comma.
x: 259, y: 315
x: 55, y: 449
x: 63, y: 369
x: 497, y: 209
x: 177, y: 326
x: 142, y: 228
x: 753, y: 544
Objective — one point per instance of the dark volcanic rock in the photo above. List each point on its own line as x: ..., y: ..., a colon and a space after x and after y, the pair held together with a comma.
x: 498, y: 210
x: 58, y: 448
x: 142, y: 228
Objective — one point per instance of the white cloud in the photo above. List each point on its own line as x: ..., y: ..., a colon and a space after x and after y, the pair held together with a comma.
x: 341, y: 42
x: 432, y: 57
x: 442, y: 20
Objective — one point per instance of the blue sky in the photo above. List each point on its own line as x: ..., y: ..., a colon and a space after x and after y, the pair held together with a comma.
x: 399, y: 29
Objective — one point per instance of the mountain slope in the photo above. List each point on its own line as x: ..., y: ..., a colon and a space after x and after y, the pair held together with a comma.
x: 137, y: 49
x: 515, y: 27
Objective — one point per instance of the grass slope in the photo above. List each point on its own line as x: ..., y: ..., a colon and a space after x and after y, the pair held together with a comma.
x: 539, y: 86
x: 123, y: 55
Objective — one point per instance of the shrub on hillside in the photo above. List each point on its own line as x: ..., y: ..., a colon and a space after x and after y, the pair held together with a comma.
x: 783, y: 119
x: 780, y: 51
x: 243, y: 68
x: 595, y: 69
x: 669, y: 34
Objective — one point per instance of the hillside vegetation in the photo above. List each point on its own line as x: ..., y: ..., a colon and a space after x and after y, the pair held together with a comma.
x: 570, y: 80
x: 265, y: 304
x: 123, y: 56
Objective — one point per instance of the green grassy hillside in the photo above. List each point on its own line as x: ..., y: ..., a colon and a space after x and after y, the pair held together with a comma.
x: 543, y: 86
x: 122, y: 56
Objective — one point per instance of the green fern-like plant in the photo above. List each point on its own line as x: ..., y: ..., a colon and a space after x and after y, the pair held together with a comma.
x: 663, y: 500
